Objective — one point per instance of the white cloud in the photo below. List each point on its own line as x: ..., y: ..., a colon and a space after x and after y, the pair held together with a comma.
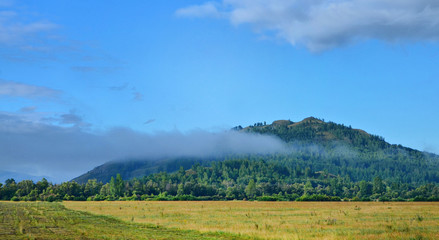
x: 26, y: 35
x: 324, y: 24
x: 15, y: 89
x: 208, y: 9
x: 15, y: 32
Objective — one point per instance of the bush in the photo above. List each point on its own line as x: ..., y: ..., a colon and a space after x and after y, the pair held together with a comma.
x: 98, y: 197
x: 267, y: 198
x: 80, y: 198
x: 318, y: 198
x: 110, y: 198
x: 292, y: 197
x: 146, y: 197
x: 184, y: 197
x: 383, y: 199
x: 433, y: 199
x: 398, y: 199
x: 67, y: 197
x: 335, y: 198
x: 420, y: 199
x: 51, y: 198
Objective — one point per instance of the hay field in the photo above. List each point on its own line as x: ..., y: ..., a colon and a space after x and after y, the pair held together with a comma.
x: 282, y: 220
x: 43, y: 220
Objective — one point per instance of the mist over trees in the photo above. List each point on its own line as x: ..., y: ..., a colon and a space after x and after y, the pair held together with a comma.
x: 325, y: 162
x: 64, y: 153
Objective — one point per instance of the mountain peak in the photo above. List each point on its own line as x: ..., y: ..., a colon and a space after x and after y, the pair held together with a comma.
x: 309, y: 120
x: 289, y: 122
x: 282, y: 122
x: 312, y: 120
x: 317, y: 131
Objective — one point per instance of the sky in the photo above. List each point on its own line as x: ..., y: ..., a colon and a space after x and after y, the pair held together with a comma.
x: 85, y: 82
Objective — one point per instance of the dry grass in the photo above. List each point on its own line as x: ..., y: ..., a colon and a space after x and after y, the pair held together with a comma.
x: 282, y: 220
x: 37, y: 220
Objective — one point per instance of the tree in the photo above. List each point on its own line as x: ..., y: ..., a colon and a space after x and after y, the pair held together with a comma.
x: 69, y: 189
x: 378, y: 186
x: 42, y: 185
x: 181, y: 172
x: 308, y: 188
x: 180, y: 190
x: 250, y: 190
x: 308, y: 172
x: 92, y: 187
x: 234, y: 192
x: 9, y: 189
x: 25, y: 187
x: 365, y: 189
x: 137, y: 186
x: 105, y: 190
x: 117, y: 186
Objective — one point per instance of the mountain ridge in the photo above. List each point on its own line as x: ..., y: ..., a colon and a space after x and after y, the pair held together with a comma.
x: 315, y: 130
x: 339, y: 147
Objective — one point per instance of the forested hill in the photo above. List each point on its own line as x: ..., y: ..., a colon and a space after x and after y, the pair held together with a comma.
x: 135, y: 168
x: 315, y: 146
x: 316, y: 131
x: 324, y: 161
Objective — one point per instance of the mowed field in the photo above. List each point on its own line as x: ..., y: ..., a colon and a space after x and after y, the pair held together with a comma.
x: 281, y: 220
x: 43, y: 220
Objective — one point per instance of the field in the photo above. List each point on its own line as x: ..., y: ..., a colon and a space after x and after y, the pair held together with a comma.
x: 281, y: 220
x: 42, y: 220
x: 218, y: 220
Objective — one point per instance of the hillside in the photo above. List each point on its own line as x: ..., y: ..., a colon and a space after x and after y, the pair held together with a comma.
x: 135, y: 168
x: 315, y: 146
x: 316, y: 131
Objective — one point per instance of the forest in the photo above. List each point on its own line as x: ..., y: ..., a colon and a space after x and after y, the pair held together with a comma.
x: 325, y: 162
x: 235, y: 179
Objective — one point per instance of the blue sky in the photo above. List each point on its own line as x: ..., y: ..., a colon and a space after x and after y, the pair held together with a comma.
x: 177, y: 66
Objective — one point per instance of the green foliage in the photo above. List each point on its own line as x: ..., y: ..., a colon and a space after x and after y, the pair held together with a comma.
x: 250, y: 190
x: 117, y: 186
x: 318, y: 198
x: 252, y: 178
x: 329, y: 162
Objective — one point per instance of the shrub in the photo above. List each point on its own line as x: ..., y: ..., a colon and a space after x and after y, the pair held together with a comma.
x: 267, y: 198
x: 317, y: 197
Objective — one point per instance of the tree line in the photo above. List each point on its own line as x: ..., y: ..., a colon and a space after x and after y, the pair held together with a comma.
x: 232, y: 179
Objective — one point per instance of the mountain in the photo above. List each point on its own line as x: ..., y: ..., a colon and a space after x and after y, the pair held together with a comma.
x: 17, y: 176
x: 316, y: 146
x: 136, y: 168
x: 317, y: 131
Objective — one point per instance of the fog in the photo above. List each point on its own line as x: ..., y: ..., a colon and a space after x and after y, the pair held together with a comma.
x: 62, y: 153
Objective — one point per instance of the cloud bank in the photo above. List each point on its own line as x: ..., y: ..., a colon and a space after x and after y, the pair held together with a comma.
x: 38, y: 149
x: 324, y: 24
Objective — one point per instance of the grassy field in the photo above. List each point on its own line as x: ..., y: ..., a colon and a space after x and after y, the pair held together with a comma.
x: 40, y: 220
x: 282, y: 220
